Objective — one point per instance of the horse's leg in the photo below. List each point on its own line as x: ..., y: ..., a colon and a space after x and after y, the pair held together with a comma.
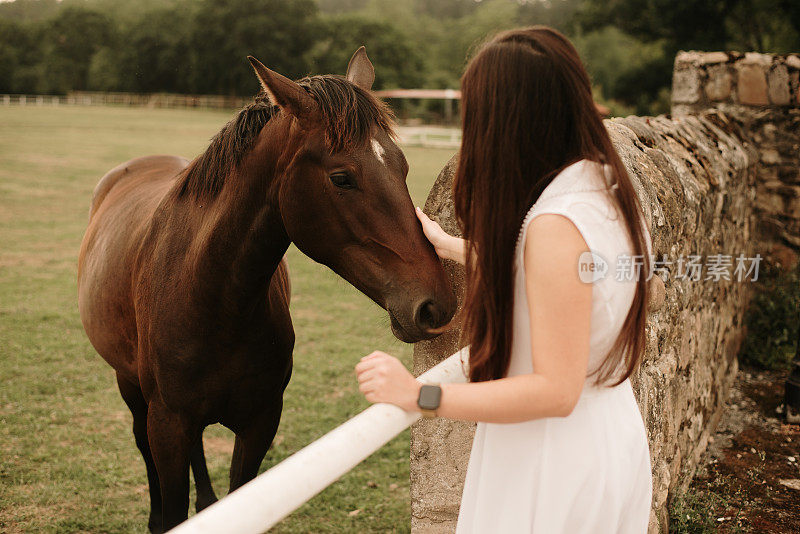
x: 202, y: 482
x: 172, y: 437
x: 132, y: 396
x: 252, y: 445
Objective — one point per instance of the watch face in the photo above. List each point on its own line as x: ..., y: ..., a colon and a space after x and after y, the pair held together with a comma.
x: 429, y: 397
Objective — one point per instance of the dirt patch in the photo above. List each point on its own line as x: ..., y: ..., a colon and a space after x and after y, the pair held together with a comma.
x: 218, y: 445
x: 750, y: 477
x: 223, y: 445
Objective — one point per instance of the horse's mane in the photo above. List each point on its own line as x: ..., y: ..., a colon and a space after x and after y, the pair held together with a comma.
x: 350, y: 114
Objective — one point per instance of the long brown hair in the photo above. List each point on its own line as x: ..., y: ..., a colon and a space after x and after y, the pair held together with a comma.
x: 527, y: 113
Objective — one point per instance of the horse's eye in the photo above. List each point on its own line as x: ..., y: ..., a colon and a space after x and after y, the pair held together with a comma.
x: 342, y: 180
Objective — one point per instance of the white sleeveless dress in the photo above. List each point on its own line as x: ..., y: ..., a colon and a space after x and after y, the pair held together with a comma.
x: 588, y: 472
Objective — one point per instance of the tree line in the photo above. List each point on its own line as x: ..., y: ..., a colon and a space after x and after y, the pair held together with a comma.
x: 200, y: 46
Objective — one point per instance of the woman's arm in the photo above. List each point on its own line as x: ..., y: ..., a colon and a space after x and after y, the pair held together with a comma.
x: 560, y: 310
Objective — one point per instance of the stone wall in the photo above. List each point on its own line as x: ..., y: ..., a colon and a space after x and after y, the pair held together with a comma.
x: 706, y: 178
x: 761, y: 93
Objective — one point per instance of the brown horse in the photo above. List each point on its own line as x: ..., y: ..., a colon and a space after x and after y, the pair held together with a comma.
x: 183, y: 288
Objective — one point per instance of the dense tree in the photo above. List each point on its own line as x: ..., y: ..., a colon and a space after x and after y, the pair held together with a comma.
x: 673, y: 25
x: 559, y: 14
x: 397, y: 62
x: 19, y: 57
x: 156, y: 55
x: 758, y: 25
x: 623, y: 70
x: 280, y: 33
x: 200, y: 46
x: 340, y: 6
x: 445, y: 9
x: 28, y: 10
x: 791, y: 9
x: 468, y: 32
x: 761, y: 25
x: 68, y: 43
x: 693, y: 24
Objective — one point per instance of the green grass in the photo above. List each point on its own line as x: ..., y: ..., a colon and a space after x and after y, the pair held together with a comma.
x: 67, y: 457
x: 706, y: 509
x: 772, y: 320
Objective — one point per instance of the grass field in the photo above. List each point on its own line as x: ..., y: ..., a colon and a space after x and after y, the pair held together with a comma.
x: 68, y: 462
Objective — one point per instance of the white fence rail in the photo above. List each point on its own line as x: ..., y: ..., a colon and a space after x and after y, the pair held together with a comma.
x: 154, y: 100
x: 261, y: 503
x: 429, y: 136
x: 31, y: 100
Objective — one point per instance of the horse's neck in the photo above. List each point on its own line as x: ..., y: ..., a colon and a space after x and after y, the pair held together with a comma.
x: 247, y: 244
x: 241, y: 239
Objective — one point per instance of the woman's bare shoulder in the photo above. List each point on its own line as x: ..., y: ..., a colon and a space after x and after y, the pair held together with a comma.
x: 553, y: 243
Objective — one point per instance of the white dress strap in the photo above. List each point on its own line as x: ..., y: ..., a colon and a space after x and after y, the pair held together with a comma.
x: 523, y: 231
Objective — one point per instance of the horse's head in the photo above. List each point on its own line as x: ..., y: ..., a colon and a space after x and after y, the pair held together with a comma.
x: 343, y: 197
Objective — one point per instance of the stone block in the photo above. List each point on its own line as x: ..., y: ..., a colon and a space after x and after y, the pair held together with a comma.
x: 778, y: 82
x: 770, y: 156
x: 718, y: 85
x: 656, y: 293
x: 795, y: 85
x: 710, y: 58
x: 686, y: 86
x: 751, y: 88
x: 687, y: 58
x: 755, y: 58
x: 793, y: 61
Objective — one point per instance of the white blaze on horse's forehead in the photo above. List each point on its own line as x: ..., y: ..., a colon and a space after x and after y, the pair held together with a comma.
x: 379, y: 150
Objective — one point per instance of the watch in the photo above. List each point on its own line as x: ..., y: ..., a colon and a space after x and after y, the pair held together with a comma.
x: 430, y: 395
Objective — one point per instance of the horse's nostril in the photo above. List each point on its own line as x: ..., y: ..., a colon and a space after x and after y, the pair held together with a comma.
x: 428, y: 315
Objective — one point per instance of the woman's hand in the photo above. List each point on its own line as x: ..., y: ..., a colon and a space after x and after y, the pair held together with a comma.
x: 447, y: 247
x: 383, y: 378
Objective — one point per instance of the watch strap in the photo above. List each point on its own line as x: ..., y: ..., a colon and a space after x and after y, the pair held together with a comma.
x: 428, y: 414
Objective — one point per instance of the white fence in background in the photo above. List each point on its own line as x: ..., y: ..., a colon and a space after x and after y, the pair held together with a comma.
x: 447, y: 96
x: 429, y: 136
x: 31, y: 100
x: 154, y: 100
x: 424, y: 136
x: 265, y: 500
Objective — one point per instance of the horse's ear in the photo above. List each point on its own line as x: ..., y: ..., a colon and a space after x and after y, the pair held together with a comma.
x: 360, y: 70
x: 285, y: 93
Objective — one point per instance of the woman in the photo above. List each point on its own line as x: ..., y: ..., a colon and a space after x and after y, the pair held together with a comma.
x: 543, y: 198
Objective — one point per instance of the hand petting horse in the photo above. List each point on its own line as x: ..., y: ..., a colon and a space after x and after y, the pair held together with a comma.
x: 184, y: 289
